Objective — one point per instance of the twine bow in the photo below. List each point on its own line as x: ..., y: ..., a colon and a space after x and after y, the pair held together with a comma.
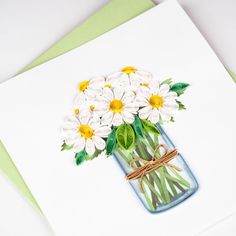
x: 151, y: 165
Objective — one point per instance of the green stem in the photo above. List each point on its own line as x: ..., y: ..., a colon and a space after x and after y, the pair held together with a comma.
x: 163, y: 184
x: 158, y: 184
x: 177, y: 180
x: 139, y: 147
x: 149, y: 202
x: 149, y: 139
x: 181, y: 179
x: 155, y: 199
x: 179, y: 187
x: 122, y: 154
x: 172, y: 187
x: 145, y: 180
x: 156, y: 138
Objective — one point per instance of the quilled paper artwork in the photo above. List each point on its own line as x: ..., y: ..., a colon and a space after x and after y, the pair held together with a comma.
x: 120, y: 115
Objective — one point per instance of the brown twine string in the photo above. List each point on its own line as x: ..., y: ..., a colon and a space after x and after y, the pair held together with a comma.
x: 151, y: 165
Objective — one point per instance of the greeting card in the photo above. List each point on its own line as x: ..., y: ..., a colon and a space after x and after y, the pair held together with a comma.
x: 138, y: 121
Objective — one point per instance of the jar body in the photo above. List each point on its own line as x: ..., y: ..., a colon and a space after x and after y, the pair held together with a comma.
x: 165, y: 186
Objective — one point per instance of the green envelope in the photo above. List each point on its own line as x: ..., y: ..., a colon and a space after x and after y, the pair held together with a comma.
x: 111, y: 15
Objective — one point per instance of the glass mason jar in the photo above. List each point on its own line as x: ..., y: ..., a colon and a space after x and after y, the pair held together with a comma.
x: 158, y: 174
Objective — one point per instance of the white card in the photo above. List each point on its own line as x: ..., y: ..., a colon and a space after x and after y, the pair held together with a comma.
x: 94, y: 198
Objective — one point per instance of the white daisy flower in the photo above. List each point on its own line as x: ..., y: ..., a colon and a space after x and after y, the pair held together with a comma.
x: 116, y: 106
x: 85, y: 132
x: 88, y: 89
x: 131, y: 77
x: 157, y: 102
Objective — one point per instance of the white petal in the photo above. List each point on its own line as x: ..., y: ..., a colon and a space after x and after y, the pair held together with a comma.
x: 108, y: 94
x: 116, y: 75
x: 164, y: 89
x: 94, y: 122
x: 146, y: 93
x: 100, y: 98
x: 127, y: 117
x: 144, y: 74
x: 66, y: 133
x: 154, y: 116
x: 103, y: 131
x: 114, y: 82
x: 171, y: 106
x: 143, y: 89
x: 145, y: 112
x: 97, y: 81
x: 165, y: 115
x: 99, y: 142
x: 89, y: 147
x: 128, y: 97
x: 117, y: 119
x: 141, y: 101
x: 72, y: 119
x: 101, y: 108
x: 155, y: 87
x: 79, y: 145
x: 71, y: 139
x: 90, y: 93
x: 79, y: 99
x: 107, y: 118
x: 132, y: 107
x: 170, y: 95
x: 125, y: 82
x: 153, y: 82
x: 69, y: 127
x: 118, y: 93
x: 135, y: 80
x: 84, y: 116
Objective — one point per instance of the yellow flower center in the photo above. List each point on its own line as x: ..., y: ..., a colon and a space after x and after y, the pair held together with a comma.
x: 76, y: 111
x: 156, y: 101
x: 107, y: 86
x: 91, y: 108
x: 145, y: 84
x: 116, y: 106
x: 129, y: 70
x: 83, y: 85
x: 85, y: 131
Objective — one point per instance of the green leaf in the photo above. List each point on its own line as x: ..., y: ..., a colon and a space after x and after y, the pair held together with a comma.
x: 167, y: 81
x: 150, y: 127
x: 138, y: 128
x: 111, y: 142
x: 179, y: 88
x: 64, y: 146
x: 80, y: 157
x: 125, y: 136
x: 181, y: 105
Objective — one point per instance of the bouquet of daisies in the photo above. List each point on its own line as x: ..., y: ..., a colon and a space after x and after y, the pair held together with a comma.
x: 124, y: 100
x: 118, y: 113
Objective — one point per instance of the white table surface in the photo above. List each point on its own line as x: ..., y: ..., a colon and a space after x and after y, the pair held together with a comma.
x: 29, y: 27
